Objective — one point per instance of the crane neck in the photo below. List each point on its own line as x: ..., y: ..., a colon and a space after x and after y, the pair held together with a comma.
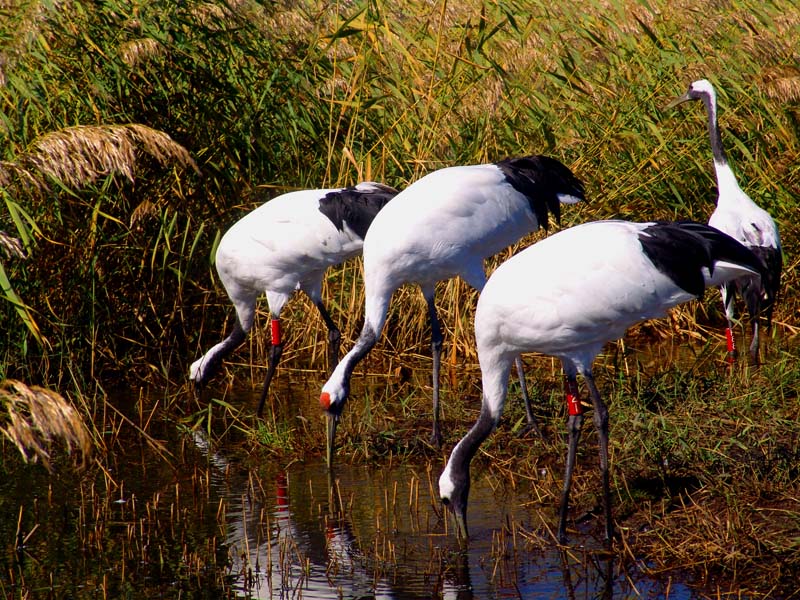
x: 494, y: 375
x: 713, y: 131
x: 465, y: 450
x: 727, y: 186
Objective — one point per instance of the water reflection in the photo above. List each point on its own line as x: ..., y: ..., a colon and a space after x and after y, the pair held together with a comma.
x: 378, y: 533
x: 201, y: 524
x: 280, y: 551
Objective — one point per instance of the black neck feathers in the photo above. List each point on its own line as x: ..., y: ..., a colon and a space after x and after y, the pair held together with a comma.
x: 713, y: 128
x: 464, y: 452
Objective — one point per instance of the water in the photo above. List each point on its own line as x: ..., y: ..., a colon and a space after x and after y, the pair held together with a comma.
x: 382, y: 551
x: 206, y: 522
x: 377, y: 533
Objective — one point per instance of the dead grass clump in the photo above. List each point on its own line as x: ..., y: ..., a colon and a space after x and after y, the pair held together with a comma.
x: 765, y: 47
x: 25, y: 16
x: 34, y: 417
x: 11, y: 246
x: 6, y: 173
x: 144, y: 210
x: 743, y: 538
x: 14, y: 176
x: 208, y: 13
x: 134, y: 52
x: 782, y: 83
x: 80, y: 155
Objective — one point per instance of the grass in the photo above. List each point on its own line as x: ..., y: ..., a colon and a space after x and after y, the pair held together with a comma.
x: 137, y: 132
x: 335, y: 96
x: 703, y: 470
x: 702, y: 457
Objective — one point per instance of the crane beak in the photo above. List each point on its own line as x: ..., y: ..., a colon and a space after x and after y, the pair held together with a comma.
x: 677, y: 101
x: 460, y: 518
x: 461, y: 527
x: 333, y: 421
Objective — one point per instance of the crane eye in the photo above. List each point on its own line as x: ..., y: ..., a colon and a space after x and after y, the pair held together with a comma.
x: 446, y: 501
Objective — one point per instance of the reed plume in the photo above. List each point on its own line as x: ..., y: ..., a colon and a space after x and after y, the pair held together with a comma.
x: 80, y: 155
x: 35, y: 417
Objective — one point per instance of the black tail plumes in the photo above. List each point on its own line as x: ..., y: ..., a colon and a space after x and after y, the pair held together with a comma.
x: 542, y: 180
x: 761, y: 301
x: 681, y: 249
x: 356, y: 206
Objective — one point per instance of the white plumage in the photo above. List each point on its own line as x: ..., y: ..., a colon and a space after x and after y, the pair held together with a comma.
x: 738, y: 216
x: 288, y: 244
x: 443, y: 225
x: 567, y: 296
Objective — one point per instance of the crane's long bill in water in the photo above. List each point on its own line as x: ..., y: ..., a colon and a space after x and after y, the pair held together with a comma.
x: 333, y: 421
x: 460, y: 518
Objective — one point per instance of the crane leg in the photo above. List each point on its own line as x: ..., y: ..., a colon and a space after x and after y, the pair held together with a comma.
x: 754, y: 359
x: 532, y: 425
x: 574, y: 424
x: 275, y: 352
x: 728, y: 297
x: 436, y: 351
x: 334, y: 336
x: 601, y: 424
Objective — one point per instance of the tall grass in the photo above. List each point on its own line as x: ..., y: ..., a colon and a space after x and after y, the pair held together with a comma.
x: 106, y: 267
x: 311, y: 94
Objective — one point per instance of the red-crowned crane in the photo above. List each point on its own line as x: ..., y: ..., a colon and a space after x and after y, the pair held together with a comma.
x: 741, y: 218
x: 442, y: 225
x: 288, y: 244
x: 566, y: 296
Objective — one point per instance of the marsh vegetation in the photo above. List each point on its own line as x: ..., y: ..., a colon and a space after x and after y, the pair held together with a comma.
x: 135, y: 133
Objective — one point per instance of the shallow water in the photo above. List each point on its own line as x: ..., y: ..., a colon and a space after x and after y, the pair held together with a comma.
x: 204, y: 522
x: 378, y: 535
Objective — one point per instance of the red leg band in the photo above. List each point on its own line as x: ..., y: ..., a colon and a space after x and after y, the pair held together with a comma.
x: 276, y: 332
x: 574, y: 406
x: 729, y: 338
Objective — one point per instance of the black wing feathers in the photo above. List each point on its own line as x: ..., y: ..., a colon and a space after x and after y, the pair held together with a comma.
x: 681, y: 249
x: 356, y: 205
x: 541, y: 179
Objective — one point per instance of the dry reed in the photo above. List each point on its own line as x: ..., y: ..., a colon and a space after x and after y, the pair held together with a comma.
x: 782, y: 83
x: 134, y: 52
x: 35, y: 417
x: 79, y: 156
x: 11, y: 246
x: 13, y: 176
x: 709, y: 534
